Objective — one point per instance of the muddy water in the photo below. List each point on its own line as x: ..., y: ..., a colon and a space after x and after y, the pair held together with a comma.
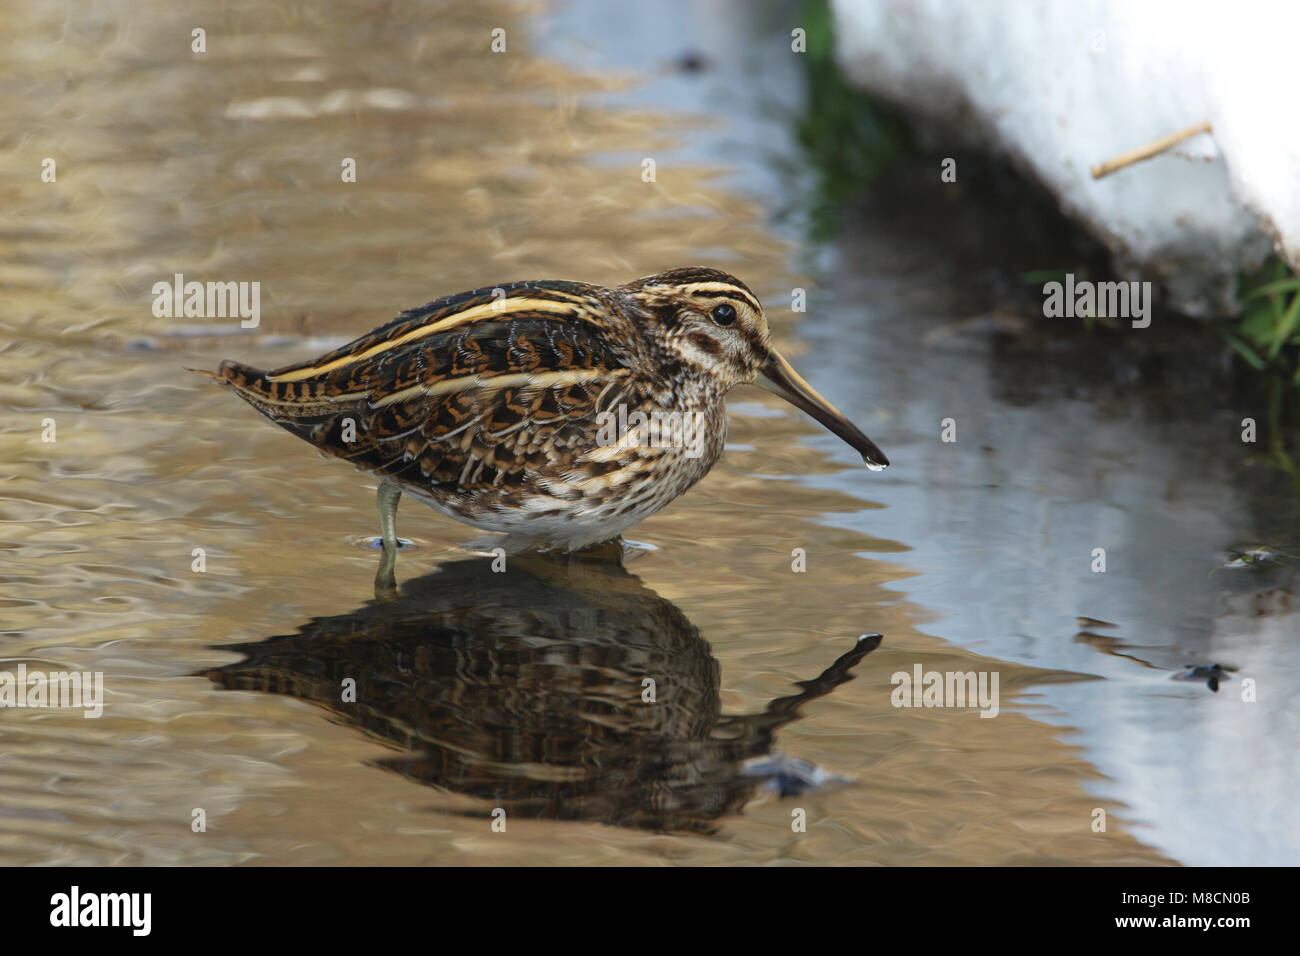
x: 524, y: 691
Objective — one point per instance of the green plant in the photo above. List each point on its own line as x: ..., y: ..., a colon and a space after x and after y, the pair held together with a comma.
x: 1268, y: 333
x: 849, y: 139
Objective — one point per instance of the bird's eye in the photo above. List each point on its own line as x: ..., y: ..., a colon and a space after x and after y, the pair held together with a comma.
x: 724, y: 314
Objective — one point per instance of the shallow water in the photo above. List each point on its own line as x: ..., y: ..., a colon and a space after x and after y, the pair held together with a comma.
x: 524, y: 691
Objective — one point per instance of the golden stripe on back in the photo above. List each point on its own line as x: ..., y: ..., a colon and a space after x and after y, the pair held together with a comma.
x: 502, y: 309
x: 506, y: 380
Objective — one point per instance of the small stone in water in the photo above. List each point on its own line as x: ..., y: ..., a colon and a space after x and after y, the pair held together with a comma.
x: 1211, y: 674
x: 789, y: 776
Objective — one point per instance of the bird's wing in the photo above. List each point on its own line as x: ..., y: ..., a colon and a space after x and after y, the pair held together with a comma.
x: 471, y: 392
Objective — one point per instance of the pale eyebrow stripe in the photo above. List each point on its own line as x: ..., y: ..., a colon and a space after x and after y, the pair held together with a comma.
x: 472, y: 314
x: 715, y: 289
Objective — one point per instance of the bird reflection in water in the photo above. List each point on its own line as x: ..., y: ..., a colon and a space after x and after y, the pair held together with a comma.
x: 559, y: 688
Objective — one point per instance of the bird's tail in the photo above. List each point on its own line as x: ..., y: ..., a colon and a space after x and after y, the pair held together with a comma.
x: 283, y: 402
x: 249, y: 383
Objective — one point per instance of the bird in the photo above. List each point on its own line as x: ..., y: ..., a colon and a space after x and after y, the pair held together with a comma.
x: 552, y: 413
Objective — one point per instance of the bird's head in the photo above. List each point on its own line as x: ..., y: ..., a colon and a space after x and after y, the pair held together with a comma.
x: 714, y: 326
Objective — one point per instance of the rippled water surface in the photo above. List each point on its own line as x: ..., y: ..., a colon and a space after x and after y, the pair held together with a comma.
x: 523, y: 690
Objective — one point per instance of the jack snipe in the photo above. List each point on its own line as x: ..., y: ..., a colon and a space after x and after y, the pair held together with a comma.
x: 559, y: 413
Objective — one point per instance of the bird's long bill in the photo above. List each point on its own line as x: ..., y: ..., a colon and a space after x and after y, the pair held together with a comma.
x: 779, y: 378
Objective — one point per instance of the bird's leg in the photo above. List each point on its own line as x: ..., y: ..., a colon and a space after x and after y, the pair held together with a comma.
x: 389, y: 495
x: 385, y: 580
